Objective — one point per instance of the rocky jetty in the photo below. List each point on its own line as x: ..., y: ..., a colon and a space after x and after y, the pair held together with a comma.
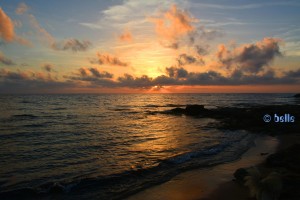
x: 249, y: 118
x: 190, y: 110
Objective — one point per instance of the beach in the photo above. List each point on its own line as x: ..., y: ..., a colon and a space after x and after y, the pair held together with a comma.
x: 218, y: 182
x: 211, y: 183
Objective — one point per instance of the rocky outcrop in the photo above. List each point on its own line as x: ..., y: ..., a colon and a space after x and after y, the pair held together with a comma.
x: 297, y: 95
x: 190, y: 110
x: 195, y: 110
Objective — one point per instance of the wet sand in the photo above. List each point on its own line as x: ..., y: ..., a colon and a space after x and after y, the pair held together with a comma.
x: 211, y: 183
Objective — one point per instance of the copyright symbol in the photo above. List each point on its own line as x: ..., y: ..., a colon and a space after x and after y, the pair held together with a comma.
x: 267, y: 118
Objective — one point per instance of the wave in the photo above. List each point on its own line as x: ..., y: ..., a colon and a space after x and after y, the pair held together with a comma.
x: 118, y: 186
x: 166, y: 105
x: 25, y: 115
x: 59, y: 108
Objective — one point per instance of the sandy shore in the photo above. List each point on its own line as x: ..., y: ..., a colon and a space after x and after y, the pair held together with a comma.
x: 212, y: 183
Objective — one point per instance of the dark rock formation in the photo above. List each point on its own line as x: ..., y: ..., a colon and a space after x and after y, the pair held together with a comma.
x: 240, y: 174
x: 287, y: 162
x: 297, y: 95
x: 177, y: 111
x: 194, y: 110
x: 288, y: 158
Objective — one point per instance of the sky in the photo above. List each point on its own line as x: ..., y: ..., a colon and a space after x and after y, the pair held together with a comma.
x: 131, y: 46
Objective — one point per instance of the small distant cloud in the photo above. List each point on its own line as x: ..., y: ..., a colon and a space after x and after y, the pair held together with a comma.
x: 72, y: 44
x: 202, y: 51
x: 21, y: 9
x: 185, y: 59
x: 171, y: 45
x: 6, y: 61
x: 108, y: 59
x: 48, y: 67
x: 126, y: 36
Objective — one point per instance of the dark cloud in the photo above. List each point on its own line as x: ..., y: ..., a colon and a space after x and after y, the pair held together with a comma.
x: 6, y: 61
x: 108, y: 59
x: 293, y: 73
x: 13, y: 81
x: 202, y: 51
x: 135, y: 82
x: 185, y: 59
x: 250, y: 58
x: 96, y: 73
x: 176, y: 72
x: 172, y: 45
x: 92, y: 75
x: 48, y: 67
x: 72, y: 44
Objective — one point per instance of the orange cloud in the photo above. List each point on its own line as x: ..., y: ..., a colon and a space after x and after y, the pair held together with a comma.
x: 173, y: 24
x: 126, y: 37
x: 108, y: 59
x: 6, y: 27
x: 7, y: 32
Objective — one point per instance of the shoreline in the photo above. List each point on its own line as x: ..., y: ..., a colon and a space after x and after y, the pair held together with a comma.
x: 207, y: 183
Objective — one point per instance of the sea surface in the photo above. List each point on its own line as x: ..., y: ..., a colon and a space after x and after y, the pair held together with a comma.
x: 108, y: 146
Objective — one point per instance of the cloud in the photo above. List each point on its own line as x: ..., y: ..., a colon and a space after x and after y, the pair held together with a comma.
x: 45, y: 35
x: 172, y: 45
x: 176, y: 72
x: 48, y: 67
x: 29, y: 82
x: 69, y: 44
x: 7, y: 32
x: 92, y: 78
x: 21, y: 9
x: 72, y: 44
x: 293, y: 73
x: 251, y: 58
x: 202, y: 51
x: 135, y: 82
x: 90, y: 74
x: 243, y: 6
x: 173, y: 23
x: 103, y: 59
x: 22, y: 81
x: 4, y: 60
x: 126, y: 37
x: 185, y: 59
x: 96, y: 73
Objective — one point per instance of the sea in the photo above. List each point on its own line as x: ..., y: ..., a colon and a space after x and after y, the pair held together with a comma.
x: 109, y: 146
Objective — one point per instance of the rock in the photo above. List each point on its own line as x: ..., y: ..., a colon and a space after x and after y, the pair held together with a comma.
x: 297, y: 95
x: 177, y: 111
x: 287, y: 158
x: 240, y: 174
x: 194, y: 109
x: 57, y: 189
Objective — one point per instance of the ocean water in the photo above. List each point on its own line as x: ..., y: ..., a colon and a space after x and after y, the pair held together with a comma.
x: 107, y: 146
